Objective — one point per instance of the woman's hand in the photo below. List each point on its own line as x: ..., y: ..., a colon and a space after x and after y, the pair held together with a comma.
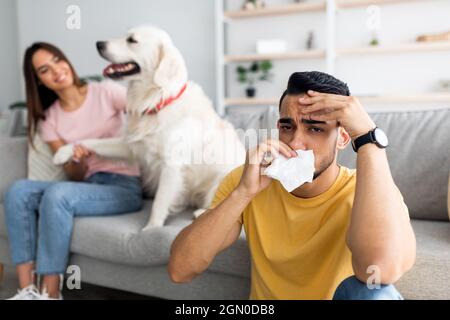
x: 77, y: 168
x: 80, y: 153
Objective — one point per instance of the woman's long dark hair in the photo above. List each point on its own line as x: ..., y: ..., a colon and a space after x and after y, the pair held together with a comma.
x: 39, y: 97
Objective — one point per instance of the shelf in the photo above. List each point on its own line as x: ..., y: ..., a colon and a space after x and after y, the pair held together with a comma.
x: 305, y: 7
x: 276, y: 10
x: 344, y: 4
x: 410, y: 47
x: 320, y: 54
x: 420, y: 98
x: 306, y: 54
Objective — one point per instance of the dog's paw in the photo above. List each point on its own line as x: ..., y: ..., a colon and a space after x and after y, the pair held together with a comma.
x: 63, y: 154
x: 197, y: 213
x: 153, y: 224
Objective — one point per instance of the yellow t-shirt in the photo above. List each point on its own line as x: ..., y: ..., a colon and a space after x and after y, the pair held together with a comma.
x: 298, y: 248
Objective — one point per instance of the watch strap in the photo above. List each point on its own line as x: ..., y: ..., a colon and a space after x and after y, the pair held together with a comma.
x: 362, y: 140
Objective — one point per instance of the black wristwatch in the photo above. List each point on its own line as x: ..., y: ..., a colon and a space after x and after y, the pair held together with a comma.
x: 376, y: 136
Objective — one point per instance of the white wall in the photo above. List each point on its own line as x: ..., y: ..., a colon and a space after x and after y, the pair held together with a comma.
x: 9, y: 63
x: 186, y: 21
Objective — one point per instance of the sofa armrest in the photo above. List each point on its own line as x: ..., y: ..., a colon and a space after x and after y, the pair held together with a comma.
x: 13, y: 161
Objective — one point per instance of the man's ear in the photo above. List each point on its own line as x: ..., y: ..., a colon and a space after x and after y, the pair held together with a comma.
x: 171, y: 68
x: 343, y: 138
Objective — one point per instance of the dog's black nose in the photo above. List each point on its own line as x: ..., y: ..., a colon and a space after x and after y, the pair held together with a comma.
x: 101, y: 45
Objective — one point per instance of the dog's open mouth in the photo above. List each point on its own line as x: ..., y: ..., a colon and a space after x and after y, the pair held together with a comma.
x: 120, y: 70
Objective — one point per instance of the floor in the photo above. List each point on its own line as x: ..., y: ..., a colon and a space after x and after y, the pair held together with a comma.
x: 8, y: 288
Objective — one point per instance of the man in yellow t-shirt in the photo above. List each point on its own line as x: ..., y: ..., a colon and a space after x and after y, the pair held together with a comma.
x: 346, y: 235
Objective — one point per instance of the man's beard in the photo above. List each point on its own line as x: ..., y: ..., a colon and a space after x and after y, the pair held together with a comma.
x: 324, y: 165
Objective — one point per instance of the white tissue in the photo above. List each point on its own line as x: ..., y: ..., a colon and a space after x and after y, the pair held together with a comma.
x: 293, y: 172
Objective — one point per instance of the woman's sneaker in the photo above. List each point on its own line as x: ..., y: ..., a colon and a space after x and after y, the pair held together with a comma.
x: 44, y: 296
x: 28, y: 293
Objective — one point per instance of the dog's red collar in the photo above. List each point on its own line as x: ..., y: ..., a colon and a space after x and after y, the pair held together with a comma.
x: 165, y: 103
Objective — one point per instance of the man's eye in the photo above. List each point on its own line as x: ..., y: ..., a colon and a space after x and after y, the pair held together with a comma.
x: 131, y: 40
x: 285, y: 127
x: 315, y: 129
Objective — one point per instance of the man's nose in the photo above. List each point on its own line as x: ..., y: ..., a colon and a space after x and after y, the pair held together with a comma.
x: 298, y: 141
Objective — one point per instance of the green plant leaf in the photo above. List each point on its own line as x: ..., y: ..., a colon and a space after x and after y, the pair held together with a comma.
x: 18, y: 105
x: 241, y: 69
x: 374, y: 42
x: 95, y: 78
x: 242, y: 78
x: 257, y: 71
x: 254, y: 67
x: 266, y: 65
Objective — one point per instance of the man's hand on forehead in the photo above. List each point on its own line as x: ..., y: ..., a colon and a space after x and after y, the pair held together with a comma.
x: 292, y: 114
x: 347, y: 110
x: 317, y: 103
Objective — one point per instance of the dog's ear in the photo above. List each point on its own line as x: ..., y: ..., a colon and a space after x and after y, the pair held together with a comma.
x: 172, y: 68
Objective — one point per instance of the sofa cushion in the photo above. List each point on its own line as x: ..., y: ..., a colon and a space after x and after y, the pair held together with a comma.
x: 13, y: 162
x: 255, y: 127
x: 448, y: 197
x: 430, y: 276
x: 419, y: 158
x: 119, y: 239
x: 40, y: 162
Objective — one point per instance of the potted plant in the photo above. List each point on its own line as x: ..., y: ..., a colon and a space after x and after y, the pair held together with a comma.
x: 257, y: 71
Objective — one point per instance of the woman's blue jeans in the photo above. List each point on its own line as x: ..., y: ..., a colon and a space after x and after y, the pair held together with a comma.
x: 39, y: 215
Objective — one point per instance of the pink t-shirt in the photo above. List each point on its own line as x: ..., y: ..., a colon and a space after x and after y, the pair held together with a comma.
x: 101, y: 116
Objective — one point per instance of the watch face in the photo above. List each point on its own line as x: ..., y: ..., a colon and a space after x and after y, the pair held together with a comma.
x: 381, y: 137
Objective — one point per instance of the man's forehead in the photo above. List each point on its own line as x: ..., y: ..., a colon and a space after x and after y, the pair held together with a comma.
x: 290, y: 104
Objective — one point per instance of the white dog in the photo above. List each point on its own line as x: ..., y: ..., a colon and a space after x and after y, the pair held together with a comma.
x: 184, y: 148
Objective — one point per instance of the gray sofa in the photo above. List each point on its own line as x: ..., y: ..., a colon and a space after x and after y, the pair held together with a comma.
x: 114, y: 252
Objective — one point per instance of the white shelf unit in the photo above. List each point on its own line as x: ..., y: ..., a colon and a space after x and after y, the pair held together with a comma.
x: 276, y: 10
x: 330, y: 53
x: 403, y: 48
x: 307, y: 54
x: 294, y: 8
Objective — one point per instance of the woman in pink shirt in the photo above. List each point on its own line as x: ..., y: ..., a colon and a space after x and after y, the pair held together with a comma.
x: 64, y: 110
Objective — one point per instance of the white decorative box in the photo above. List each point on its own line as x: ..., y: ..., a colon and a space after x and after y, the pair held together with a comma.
x: 271, y: 46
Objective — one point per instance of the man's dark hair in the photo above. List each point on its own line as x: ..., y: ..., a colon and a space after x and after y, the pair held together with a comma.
x: 301, y: 82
